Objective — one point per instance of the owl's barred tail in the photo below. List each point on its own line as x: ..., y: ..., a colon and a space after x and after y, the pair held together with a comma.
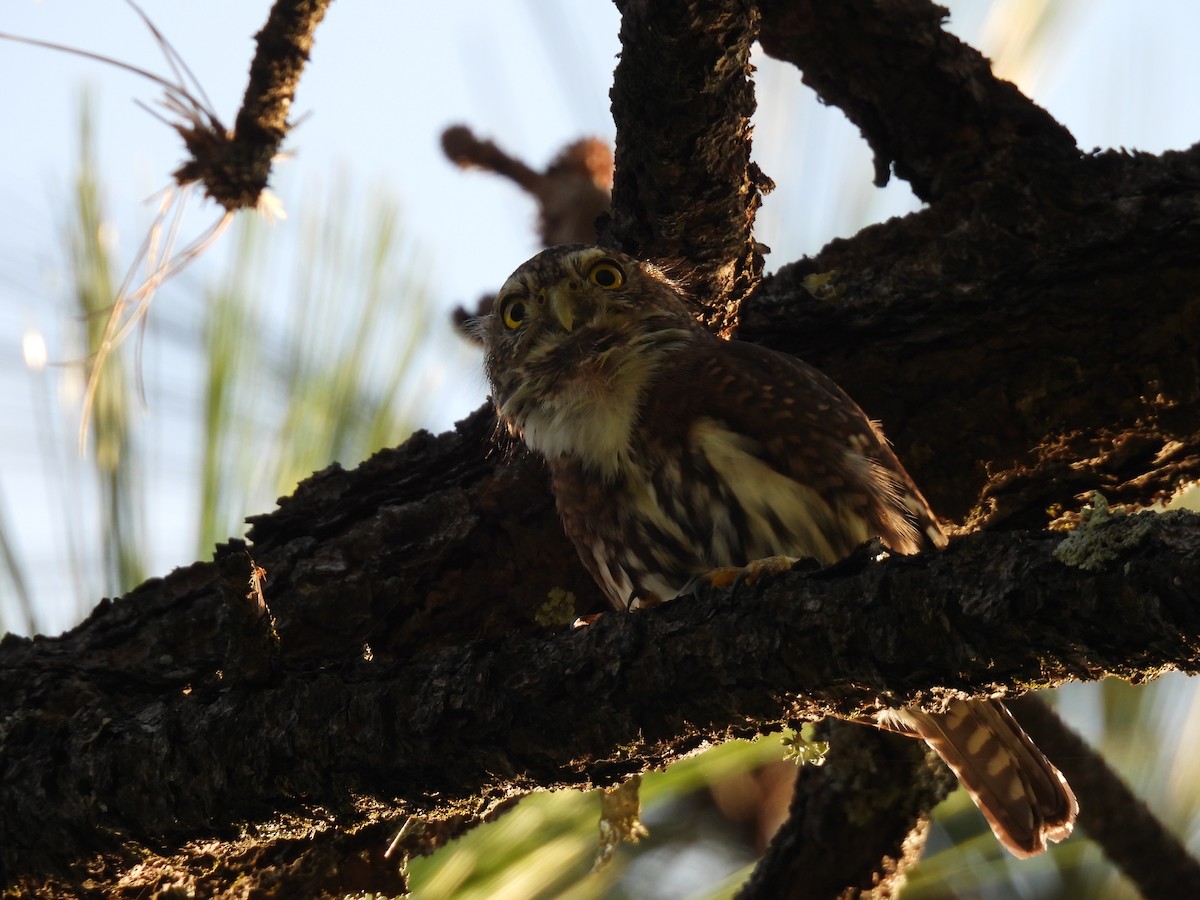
x: 1022, y: 795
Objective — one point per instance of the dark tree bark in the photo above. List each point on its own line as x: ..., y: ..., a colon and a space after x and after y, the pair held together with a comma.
x: 182, y: 686
x: 1048, y: 293
x: 408, y: 655
x: 685, y: 190
x: 877, y: 789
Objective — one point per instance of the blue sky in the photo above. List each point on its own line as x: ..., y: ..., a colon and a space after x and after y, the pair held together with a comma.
x: 384, y: 80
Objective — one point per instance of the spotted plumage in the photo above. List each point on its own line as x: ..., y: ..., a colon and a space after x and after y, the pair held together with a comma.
x: 672, y: 453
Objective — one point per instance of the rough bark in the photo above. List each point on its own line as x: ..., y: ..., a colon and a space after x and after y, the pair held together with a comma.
x: 410, y: 656
x: 189, y: 686
x: 876, y: 787
x: 1050, y: 293
x: 233, y: 166
x: 685, y: 191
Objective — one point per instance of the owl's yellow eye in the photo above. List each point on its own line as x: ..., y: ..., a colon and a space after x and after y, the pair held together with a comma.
x: 513, y: 312
x: 606, y: 274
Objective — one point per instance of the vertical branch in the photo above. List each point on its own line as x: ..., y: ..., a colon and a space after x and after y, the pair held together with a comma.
x: 857, y: 824
x: 684, y: 186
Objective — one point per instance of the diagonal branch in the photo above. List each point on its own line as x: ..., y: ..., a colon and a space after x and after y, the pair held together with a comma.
x: 1114, y: 817
x: 234, y: 166
x: 926, y: 103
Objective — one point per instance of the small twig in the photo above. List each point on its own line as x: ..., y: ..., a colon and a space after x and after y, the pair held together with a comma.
x: 572, y: 191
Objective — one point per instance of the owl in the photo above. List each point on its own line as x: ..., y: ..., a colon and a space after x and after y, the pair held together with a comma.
x: 673, y: 453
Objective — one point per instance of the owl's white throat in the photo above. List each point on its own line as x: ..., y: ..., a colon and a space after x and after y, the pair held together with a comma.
x: 590, y: 414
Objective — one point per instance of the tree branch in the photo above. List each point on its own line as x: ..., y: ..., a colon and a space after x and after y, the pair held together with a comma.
x: 926, y: 103
x: 974, y: 303
x: 1114, y: 817
x: 856, y: 824
x: 977, y: 306
x: 571, y: 193
x: 234, y: 166
x: 684, y: 189
x: 248, y: 735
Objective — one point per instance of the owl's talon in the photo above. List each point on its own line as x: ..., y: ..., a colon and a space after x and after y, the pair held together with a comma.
x: 731, y: 576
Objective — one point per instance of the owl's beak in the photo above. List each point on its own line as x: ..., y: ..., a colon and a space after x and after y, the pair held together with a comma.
x: 563, y: 306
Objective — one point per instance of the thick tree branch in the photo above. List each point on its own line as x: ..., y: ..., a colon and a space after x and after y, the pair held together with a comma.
x: 684, y: 190
x: 926, y: 103
x: 1070, y: 329
x: 976, y: 302
x: 228, y: 730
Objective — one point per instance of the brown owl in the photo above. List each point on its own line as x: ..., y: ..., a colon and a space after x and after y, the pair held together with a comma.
x: 673, y: 452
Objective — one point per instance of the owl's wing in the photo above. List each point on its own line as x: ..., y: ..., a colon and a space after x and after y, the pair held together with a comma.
x: 740, y: 398
x: 799, y: 461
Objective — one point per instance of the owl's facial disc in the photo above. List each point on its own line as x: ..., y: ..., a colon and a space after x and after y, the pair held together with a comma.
x: 561, y: 299
x: 577, y: 336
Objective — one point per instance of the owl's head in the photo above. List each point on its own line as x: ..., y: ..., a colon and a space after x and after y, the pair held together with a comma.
x: 574, y: 332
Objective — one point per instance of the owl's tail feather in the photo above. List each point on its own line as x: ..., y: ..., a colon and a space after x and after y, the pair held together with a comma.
x: 1024, y: 798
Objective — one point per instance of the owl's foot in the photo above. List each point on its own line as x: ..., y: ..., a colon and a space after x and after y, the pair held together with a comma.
x: 585, y: 621
x: 728, y: 576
